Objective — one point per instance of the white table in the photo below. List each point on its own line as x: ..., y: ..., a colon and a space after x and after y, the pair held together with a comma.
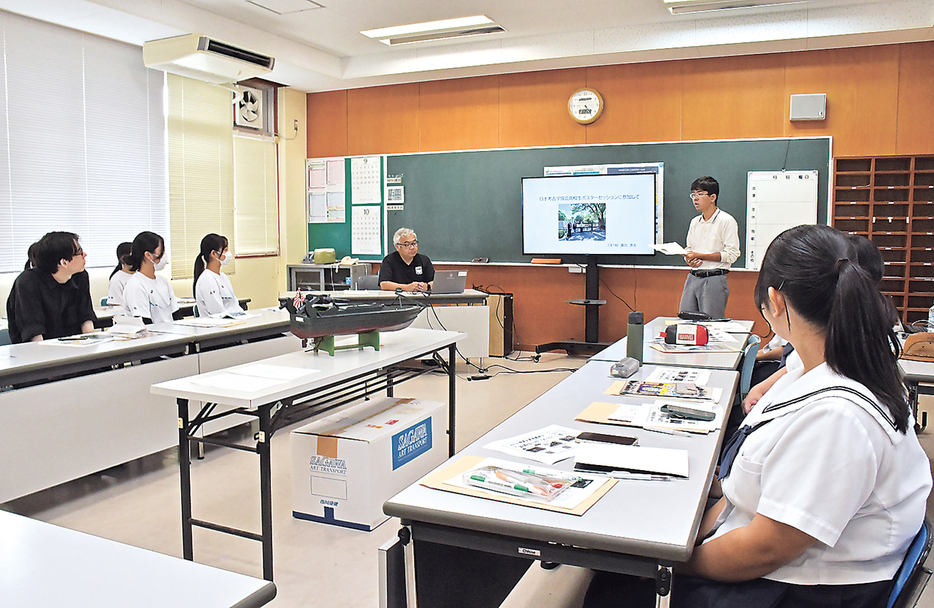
x: 638, y: 527
x: 714, y: 360
x: 71, y: 411
x: 46, y: 566
x: 317, y: 381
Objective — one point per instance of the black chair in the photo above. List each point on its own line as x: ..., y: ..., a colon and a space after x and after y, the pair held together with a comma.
x: 912, y: 576
x: 370, y: 281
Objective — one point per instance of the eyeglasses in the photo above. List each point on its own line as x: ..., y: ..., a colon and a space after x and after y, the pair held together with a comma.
x: 410, y: 244
x: 80, y: 252
x: 697, y: 195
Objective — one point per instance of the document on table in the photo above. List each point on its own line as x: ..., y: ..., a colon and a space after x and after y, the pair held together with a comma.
x: 547, y: 445
x: 730, y: 327
x: 208, y: 322
x: 696, y: 375
x: 278, y: 372
x: 712, y: 347
x: 648, y: 416
x: 574, y: 501
x: 604, y: 458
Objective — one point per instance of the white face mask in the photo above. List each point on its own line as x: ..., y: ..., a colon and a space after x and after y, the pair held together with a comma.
x: 226, y: 258
x: 162, y: 262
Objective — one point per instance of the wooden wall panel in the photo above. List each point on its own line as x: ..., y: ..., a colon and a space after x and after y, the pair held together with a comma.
x: 643, y: 102
x: 534, y: 109
x: 733, y: 97
x: 916, y: 99
x: 460, y: 114
x: 862, y: 97
x: 326, y: 117
x: 383, y: 120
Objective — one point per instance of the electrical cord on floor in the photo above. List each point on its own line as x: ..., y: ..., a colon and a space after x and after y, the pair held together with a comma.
x: 515, y: 333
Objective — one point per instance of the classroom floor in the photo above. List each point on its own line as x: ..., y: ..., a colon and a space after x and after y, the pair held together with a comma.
x: 315, y: 565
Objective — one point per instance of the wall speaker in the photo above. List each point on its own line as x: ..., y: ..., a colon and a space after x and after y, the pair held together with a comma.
x: 808, y: 107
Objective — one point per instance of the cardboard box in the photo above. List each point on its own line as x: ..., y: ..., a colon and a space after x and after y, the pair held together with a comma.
x: 345, y: 466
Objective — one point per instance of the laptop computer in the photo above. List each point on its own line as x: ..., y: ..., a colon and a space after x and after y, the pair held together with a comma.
x: 449, y: 281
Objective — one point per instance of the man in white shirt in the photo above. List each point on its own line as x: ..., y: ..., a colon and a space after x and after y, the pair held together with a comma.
x: 712, y: 244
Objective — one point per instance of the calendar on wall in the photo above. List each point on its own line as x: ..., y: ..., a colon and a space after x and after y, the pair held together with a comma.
x: 365, y: 234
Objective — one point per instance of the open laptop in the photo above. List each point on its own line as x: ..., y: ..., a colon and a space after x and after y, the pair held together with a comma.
x: 449, y: 281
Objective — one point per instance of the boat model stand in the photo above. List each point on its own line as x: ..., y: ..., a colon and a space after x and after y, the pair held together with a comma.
x: 326, y: 343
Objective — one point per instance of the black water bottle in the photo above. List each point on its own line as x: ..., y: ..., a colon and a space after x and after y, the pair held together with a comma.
x: 634, y: 335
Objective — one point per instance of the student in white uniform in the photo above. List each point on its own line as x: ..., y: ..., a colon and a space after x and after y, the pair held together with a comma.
x: 213, y: 292
x: 120, y: 275
x: 825, y: 485
x: 147, y: 294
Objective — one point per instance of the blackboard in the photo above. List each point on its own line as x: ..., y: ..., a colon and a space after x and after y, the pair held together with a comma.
x: 465, y: 205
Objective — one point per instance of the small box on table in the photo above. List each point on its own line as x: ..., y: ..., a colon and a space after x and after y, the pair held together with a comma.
x: 345, y: 466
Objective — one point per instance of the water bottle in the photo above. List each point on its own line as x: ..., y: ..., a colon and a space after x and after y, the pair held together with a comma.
x: 634, y: 334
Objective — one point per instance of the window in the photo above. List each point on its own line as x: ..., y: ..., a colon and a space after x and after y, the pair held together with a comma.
x: 200, y: 169
x: 255, y: 186
x: 82, y: 143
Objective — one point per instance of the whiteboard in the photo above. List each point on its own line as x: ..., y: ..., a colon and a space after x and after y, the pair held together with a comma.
x: 775, y: 202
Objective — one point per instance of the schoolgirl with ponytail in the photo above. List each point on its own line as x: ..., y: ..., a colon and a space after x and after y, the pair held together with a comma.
x: 213, y: 291
x: 120, y: 275
x: 825, y: 484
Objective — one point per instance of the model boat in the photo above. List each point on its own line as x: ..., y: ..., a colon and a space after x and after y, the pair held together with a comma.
x: 339, y: 319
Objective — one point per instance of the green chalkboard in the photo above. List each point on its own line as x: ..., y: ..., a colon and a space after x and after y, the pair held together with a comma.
x: 465, y: 205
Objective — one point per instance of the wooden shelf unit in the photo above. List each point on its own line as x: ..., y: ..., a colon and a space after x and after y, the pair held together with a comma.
x: 890, y: 200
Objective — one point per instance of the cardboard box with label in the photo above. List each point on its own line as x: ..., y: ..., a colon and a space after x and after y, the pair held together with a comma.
x: 346, y: 465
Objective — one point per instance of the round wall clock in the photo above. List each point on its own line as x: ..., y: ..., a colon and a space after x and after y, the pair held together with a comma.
x: 585, y: 105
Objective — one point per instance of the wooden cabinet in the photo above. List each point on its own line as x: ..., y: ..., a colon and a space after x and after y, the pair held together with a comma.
x: 890, y: 200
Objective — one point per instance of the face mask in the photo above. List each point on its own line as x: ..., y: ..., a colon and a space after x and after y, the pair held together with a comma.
x: 226, y: 258
x: 162, y: 262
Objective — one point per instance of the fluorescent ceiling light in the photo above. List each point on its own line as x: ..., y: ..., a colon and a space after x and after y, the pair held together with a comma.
x: 429, y: 26
x: 687, y: 7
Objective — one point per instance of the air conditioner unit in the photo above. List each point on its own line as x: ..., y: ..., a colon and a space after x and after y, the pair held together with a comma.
x: 203, y: 58
x: 248, y: 108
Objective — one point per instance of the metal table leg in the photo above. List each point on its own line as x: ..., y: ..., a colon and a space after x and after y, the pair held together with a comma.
x: 184, y: 469
x: 265, y: 486
x: 452, y: 389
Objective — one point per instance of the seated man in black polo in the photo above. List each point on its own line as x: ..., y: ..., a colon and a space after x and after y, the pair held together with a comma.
x: 406, y: 268
x: 52, y: 299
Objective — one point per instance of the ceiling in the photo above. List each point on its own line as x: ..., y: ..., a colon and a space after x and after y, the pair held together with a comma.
x: 318, y: 46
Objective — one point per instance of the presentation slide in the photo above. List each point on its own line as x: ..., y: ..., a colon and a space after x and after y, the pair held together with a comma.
x: 589, y: 214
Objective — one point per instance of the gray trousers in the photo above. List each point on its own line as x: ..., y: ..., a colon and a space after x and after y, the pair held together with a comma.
x: 708, y: 295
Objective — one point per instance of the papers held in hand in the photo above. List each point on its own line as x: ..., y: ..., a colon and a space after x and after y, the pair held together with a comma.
x: 670, y: 248
x: 636, y: 460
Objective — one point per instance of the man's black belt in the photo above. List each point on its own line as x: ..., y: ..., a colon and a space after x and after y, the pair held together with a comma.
x: 703, y: 274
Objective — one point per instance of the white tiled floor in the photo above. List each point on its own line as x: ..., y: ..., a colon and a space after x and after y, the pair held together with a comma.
x: 315, y: 565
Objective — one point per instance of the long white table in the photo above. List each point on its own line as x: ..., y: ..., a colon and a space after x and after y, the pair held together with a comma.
x: 638, y: 527
x: 315, y: 382
x: 74, y: 410
x: 46, y: 566
x: 715, y: 360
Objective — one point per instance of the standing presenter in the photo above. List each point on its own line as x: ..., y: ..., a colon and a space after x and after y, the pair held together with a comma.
x: 712, y: 246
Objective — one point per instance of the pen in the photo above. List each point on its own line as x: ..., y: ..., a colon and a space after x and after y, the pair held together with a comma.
x: 639, y: 476
x: 667, y: 431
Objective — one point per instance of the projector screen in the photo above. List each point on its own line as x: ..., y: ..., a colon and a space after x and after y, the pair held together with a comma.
x: 606, y: 214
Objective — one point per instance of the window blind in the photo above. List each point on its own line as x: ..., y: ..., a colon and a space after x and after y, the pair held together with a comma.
x: 255, y: 187
x: 200, y: 144
x: 82, y: 144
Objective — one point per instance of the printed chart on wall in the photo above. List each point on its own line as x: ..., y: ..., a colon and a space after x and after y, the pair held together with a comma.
x: 775, y: 202
x: 366, y: 199
x: 325, y: 189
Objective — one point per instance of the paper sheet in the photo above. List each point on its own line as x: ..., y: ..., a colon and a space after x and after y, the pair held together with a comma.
x: 670, y: 248
x: 548, y: 445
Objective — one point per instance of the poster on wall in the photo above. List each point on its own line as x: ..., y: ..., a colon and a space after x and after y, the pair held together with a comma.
x: 325, y: 190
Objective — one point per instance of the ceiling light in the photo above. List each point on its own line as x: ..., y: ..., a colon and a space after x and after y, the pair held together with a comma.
x: 687, y: 7
x: 435, y: 30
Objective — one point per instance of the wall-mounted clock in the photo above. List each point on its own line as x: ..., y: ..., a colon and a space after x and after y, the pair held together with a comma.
x: 585, y: 105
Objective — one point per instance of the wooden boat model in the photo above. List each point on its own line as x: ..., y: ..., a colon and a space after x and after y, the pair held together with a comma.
x: 344, y: 319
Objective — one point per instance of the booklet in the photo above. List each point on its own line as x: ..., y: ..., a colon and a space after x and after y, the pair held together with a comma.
x: 547, y: 445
